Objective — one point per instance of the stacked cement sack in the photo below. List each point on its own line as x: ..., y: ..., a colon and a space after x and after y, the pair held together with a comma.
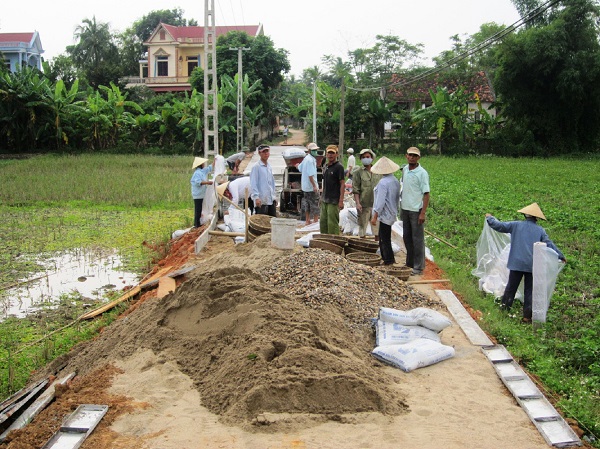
x: 410, y: 339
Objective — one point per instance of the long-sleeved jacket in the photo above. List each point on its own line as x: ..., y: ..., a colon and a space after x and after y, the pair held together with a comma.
x: 523, y: 234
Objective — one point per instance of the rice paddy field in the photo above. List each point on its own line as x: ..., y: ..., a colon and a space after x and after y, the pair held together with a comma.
x: 58, y: 203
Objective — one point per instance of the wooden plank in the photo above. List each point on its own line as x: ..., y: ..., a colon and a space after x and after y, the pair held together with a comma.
x: 129, y: 294
x: 16, y: 397
x: 37, y: 406
x: 16, y: 408
x: 166, y: 285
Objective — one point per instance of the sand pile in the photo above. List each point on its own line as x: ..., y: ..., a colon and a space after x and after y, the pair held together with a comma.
x: 250, y: 347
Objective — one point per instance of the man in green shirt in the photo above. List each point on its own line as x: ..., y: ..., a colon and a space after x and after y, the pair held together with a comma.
x: 363, y: 183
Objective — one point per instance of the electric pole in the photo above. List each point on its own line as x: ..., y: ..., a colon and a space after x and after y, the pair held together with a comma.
x: 315, y: 111
x: 211, y: 112
x: 240, y: 100
x: 341, y: 143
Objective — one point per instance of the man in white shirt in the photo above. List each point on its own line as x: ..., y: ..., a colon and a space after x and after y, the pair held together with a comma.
x: 351, y: 163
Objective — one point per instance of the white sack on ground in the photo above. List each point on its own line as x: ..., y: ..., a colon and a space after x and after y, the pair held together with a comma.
x: 546, y: 266
x: 235, y: 220
x: 305, y: 239
x: 414, y: 354
x: 393, y: 333
x: 419, y: 316
x: 492, y: 256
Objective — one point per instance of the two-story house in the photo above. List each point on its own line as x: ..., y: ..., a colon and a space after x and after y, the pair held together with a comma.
x: 173, y: 52
x: 21, y: 49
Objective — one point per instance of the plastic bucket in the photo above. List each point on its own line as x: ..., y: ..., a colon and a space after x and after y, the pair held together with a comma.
x: 283, y: 233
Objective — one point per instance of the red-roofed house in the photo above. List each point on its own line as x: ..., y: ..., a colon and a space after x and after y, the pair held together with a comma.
x: 416, y: 94
x: 20, y: 49
x: 173, y: 52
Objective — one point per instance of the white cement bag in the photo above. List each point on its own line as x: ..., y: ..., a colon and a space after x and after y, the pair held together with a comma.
x: 414, y: 354
x: 235, y: 221
x: 419, y: 316
x: 546, y: 267
x: 179, y: 233
x: 305, y: 239
x: 394, y: 333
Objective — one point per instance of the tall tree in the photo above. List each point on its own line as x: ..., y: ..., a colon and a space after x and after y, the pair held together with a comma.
x: 95, y: 53
x: 549, y: 79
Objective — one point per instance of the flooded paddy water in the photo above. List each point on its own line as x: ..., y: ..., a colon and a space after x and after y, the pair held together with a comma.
x: 89, y: 274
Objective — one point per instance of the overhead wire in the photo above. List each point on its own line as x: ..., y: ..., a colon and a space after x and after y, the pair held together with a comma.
x: 481, y: 46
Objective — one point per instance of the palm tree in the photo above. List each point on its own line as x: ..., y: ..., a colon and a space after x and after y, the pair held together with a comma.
x: 95, y: 53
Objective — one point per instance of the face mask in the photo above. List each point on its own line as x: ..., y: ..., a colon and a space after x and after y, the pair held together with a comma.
x: 367, y: 161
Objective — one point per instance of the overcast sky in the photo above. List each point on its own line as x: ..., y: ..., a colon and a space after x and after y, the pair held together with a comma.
x: 308, y: 29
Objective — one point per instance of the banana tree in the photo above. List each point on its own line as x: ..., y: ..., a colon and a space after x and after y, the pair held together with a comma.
x: 23, y: 109
x: 447, y: 117
x: 65, y: 108
x: 192, y: 119
x: 116, y: 109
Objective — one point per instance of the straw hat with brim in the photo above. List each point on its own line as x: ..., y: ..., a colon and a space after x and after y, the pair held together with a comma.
x: 534, y: 210
x: 198, y: 161
x: 367, y: 150
x: 384, y: 166
x: 221, y: 188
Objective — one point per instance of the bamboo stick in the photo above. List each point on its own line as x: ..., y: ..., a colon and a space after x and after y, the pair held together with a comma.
x: 440, y: 239
x: 234, y: 205
x: 428, y: 281
x: 227, y: 234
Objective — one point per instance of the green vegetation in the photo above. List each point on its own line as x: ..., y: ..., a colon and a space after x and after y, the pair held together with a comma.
x: 59, y: 203
x: 565, y: 351
x: 62, y: 202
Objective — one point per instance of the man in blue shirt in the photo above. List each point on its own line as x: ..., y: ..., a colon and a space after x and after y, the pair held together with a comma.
x: 199, y: 183
x: 415, y: 199
x: 310, y: 188
x: 523, y: 234
x: 262, y: 184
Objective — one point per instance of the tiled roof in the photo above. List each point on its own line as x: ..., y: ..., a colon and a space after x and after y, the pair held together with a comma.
x: 16, y: 37
x: 197, y: 32
x: 419, y: 90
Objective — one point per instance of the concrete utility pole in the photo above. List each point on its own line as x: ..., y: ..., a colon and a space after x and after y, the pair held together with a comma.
x: 315, y: 111
x: 342, y: 106
x: 211, y: 112
x: 240, y: 100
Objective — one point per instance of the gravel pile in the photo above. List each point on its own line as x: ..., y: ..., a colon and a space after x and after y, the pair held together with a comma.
x: 320, y: 277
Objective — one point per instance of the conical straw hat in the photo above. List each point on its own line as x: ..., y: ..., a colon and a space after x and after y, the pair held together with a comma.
x: 221, y: 189
x: 198, y: 161
x: 384, y: 166
x: 534, y: 210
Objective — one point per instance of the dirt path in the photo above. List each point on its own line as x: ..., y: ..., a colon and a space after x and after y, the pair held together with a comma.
x: 296, y: 137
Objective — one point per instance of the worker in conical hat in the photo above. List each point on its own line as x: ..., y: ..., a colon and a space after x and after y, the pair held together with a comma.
x: 523, y: 234
x: 199, y: 183
x: 386, y: 195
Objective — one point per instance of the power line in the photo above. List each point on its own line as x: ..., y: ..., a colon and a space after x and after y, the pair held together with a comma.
x: 481, y: 46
